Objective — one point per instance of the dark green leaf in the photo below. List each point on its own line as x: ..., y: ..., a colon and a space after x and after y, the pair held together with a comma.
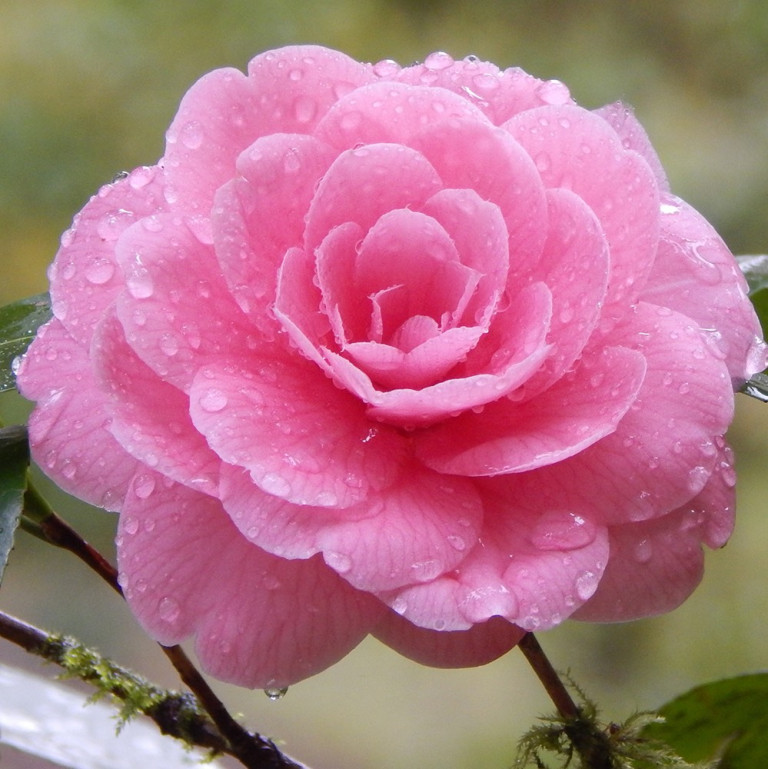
x: 725, y: 718
x: 755, y: 269
x: 18, y: 325
x: 14, y: 460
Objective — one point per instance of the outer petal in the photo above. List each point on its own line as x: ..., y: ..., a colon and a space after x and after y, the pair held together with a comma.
x: 390, y: 112
x: 621, y: 118
x: 479, y: 645
x: 507, y: 437
x: 664, y: 449
x: 414, y: 531
x: 176, y: 311
x: 578, y: 150
x: 695, y: 274
x: 150, y: 418
x: 655, y: 565
x: 315, y: 445
x: 259, y: 621
x: 85, y: 277
x: 69, y: 429
x: 286, y: 91
x: 499, y: 94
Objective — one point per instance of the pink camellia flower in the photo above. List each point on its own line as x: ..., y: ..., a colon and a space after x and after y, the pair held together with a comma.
x: 428, y: 352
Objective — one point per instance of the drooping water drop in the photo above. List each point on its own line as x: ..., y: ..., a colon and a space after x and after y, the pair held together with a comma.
x: 99, y: 270
x: 586, y: 584
x: 169, y: 609
x: 213, y: 400
x: 276, y: 694
x: 143, y: 486
x: 192, y: 135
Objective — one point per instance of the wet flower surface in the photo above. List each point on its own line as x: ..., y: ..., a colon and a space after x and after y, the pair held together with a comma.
x: 428, y: 352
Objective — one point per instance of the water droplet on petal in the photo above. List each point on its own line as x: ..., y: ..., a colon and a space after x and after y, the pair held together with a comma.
x: 557, y: 530
x: 553, y: 92
x: 276, y: 694
x: 386, y: 68
x: 140, y: 283
x: 99, y: 271
x: 130, y: 525
x: 192, y: 135
x: 400, y: 605
x: 213, y: 400
x: 458, y: 543
x: 143, y: 486
x: 438, y: 60
x: 643, y: 551
x: 304, y: 109
x: 169, y: 610
x: 339, y: 562
x: 586, y: 584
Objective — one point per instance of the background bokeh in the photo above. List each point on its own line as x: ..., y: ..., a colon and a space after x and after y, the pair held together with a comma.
x: 87, y: 88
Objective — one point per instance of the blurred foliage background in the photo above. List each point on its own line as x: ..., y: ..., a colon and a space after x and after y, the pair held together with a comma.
x: 87, y: 88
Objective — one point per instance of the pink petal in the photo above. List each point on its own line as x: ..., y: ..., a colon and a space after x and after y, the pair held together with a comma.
x: 621, y: 117
x: 365, y: 183
x: 69, y: 428
x: 176, y: 310
x: 480, y: 234
x: 578, y: 150
x: 471, y: 154
x: 654, y: 566
x: 664, y: 449
x: 696, y: 275
x: 390, y: 112
x: 499, y: 94
x: 225, y: 112
x: 256, y: 219
x: 150, y: 418
x: 479, y: 645
x: 531, y: 568
x: 259, y: 621
x: 509, y: 437
x: 575, y: 265
x: 418, y: 528
x: 85, y: 277
x: 300, y: 438
x: 514, y: 361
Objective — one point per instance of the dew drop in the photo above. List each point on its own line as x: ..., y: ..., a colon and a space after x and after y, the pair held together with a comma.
x: 400, y: 605
x: 558, y: 530
x: 169, y: 609
x: 275, y: 484
x: 304, y: 109
x: 543, y: 162
x: 438, y: 60
x: 276, y: 694
x: 213, y: 400
x: 192, y: 135
x: 553, y: 92
x: 586, y: 584
x: 386, y: 68
x: 169, y: 345
x: 131, y: 525
x: 140, y: 283
x: 643, y: 551
x: 144, y: 486
x: 456, y: 542
x: 99, y: 271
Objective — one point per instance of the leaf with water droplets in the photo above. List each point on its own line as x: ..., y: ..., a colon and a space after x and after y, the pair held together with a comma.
x: 724, y: 719
x: 14, y: 460
x: 19, y: 322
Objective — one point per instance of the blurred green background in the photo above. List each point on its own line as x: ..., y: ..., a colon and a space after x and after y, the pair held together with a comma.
x: 87, y: 88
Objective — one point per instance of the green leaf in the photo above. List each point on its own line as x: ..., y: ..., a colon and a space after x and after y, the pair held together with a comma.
x: 726, y: 719
x: 755, y: 269
x: 18, y: 325
x: 14, y: 461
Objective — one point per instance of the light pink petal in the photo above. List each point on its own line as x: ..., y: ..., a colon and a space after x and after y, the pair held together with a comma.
x: 390, y: 112
x: 578, y: 150
x: 85, y: 277
x: 508, y: 437
x: 664, y: 449
x: 695, y: 274
x: 225, y: 112
x: 575, y: 265
x: 499, y: 94
x: 176, y: 311
x: 468, y: 154
x: 512, y: 364
x: 150, y: 418
x: 428, y: 362
x: 258, y: 217
x: 479, y: 645
x: 365, y: 183
x: 621, y: 117
x: 69, y: 428
x: 530, y: 567
x: 301, y: 438
x: 258, y: 621
x: 414, y: 531
x: 655, y: 565
x: 479, y: 231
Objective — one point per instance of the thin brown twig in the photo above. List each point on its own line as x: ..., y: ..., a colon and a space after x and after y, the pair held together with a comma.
x: 548, y: 676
